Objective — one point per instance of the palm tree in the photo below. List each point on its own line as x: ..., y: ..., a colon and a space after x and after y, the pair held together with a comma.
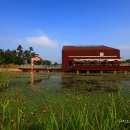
x: 20, y: 55
x: 30, y: 49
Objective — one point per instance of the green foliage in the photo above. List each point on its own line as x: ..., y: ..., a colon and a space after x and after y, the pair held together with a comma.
x: 18, y: 56
x: 9, y: 57
x: 127, y: 61
x: 55, y: 63
x: 46, y: 62
x: 1, y: 56
x: 4, y: 79
x: 39, y: 62
x: 83, y: 115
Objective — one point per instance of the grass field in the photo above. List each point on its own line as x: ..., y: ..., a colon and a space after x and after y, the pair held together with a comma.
x: 64, y: 101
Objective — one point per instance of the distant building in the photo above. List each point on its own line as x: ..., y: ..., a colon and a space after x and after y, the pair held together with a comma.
x: 89, y: 58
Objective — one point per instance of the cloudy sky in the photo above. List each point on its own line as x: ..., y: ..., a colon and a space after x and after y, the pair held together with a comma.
x: 47, y: 25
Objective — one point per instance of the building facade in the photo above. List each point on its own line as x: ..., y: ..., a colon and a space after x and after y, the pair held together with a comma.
x: 90, y: 58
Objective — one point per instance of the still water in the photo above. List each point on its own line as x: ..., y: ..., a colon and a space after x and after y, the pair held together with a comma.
x: 83, y: 82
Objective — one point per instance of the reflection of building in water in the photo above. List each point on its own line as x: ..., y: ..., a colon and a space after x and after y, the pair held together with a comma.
x: 36, y: 58
x: 32, y: 77
x: 90, y: 58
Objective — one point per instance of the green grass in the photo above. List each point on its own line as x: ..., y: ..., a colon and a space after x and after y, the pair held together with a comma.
x: 50, y: 106
x: 4, y: 79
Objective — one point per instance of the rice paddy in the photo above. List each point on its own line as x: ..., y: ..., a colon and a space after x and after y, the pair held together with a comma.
x: 64, y: 101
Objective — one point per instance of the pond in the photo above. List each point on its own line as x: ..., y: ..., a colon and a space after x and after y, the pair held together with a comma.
x: 59, y: 82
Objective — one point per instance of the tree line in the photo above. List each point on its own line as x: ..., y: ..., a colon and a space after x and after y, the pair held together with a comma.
x: 127, y: 61
x: 20, y: 56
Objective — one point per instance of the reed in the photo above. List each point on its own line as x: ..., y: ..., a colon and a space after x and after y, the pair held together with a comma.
x: 4, y: 79
x: 104, y: 116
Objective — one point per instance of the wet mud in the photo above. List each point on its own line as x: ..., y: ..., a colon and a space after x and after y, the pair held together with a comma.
x: 90, y: 85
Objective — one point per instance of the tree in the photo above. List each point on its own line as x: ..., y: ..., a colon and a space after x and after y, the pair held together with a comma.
x: 127, y: 61
x: 27, y: 59
x: 55, y: 63
x: 9, y: 57
x: 39, y: 62
x: 46, y: 62
x: 30, y: 49
x: 20, y: 56
x: 19, y: 48
x: 1, y: 56
x: 28, y: 54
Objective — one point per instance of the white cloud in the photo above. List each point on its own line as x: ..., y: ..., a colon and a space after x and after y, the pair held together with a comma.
x: 41, y: 40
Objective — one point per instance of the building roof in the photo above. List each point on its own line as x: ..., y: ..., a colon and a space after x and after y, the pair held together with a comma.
x: 89, y: 47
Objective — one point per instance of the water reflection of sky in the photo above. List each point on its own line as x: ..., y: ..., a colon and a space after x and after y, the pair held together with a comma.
x: 126, y: 89
x: 53, y: 80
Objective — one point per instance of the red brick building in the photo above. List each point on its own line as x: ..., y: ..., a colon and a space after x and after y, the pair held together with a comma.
x: 90, y: 58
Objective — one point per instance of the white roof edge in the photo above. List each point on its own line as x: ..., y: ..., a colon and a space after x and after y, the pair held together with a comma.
x: 98, y: 60
x: 92, y: 56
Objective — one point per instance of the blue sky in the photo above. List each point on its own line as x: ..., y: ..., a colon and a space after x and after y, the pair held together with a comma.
x: 47, y: 25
